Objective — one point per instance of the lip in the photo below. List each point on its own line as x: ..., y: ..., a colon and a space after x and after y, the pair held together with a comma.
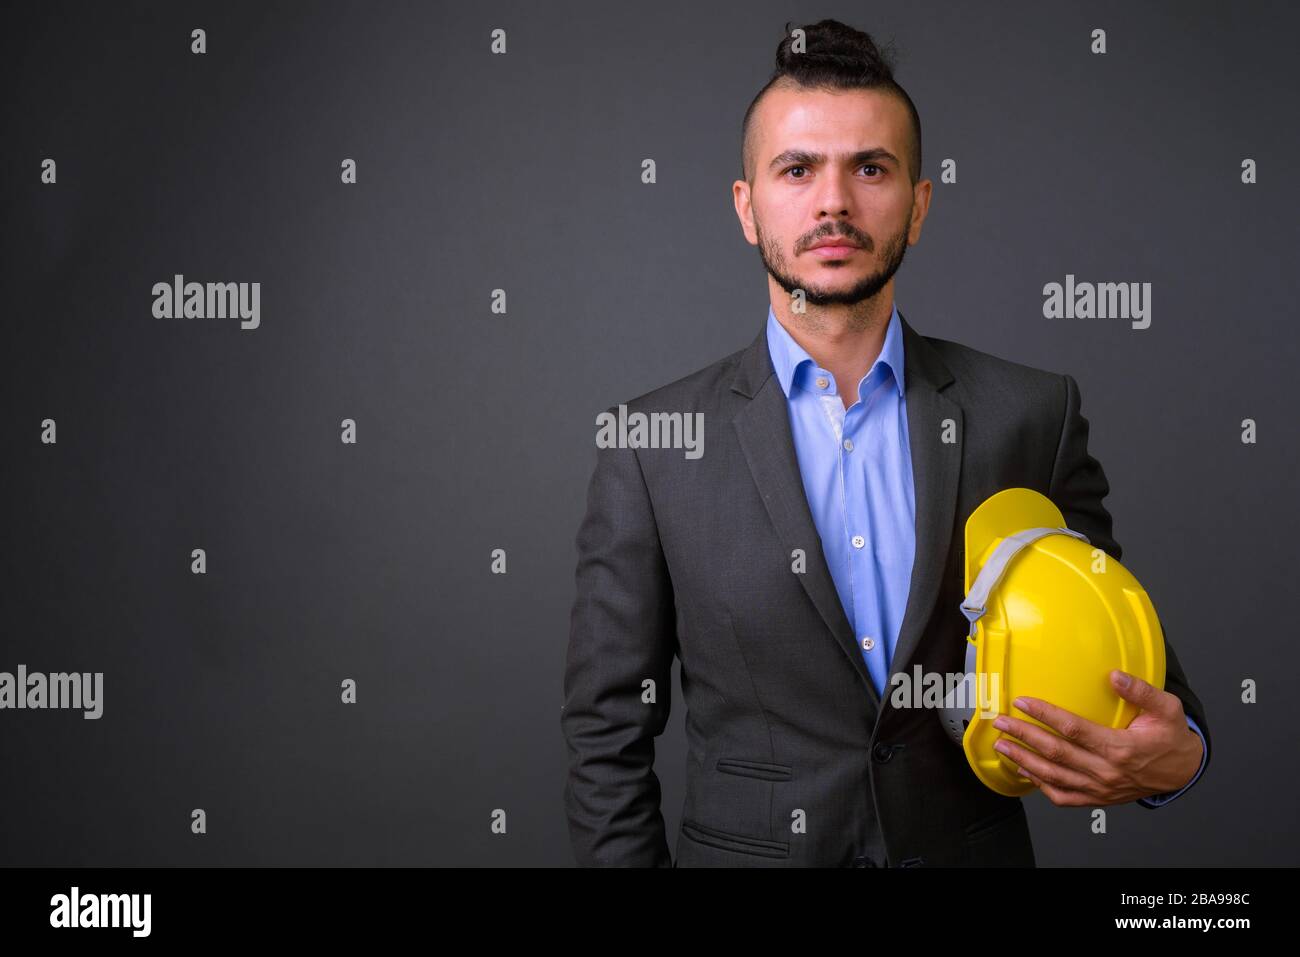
x: 834, y: 250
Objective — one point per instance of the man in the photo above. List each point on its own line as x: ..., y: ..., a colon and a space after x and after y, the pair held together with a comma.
x: 815, y: 547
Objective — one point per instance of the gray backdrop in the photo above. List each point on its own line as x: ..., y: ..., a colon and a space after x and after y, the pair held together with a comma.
x: 475, y: 430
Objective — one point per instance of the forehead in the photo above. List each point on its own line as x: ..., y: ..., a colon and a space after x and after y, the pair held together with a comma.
x: 833, y: 121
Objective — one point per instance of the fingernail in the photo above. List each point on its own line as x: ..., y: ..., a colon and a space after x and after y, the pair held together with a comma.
x: 1123, y: 680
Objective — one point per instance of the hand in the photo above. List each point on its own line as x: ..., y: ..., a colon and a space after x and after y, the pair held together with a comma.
x: 1088, y: 764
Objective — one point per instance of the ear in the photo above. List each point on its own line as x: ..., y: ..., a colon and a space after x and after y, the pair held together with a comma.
x: 742, y: 197
x: 920, y: 209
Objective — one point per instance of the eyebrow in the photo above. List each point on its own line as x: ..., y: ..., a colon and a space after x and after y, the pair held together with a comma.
x: 810, y: 158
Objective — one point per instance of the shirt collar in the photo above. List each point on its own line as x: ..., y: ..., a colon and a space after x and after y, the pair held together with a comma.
x: 788, y: 356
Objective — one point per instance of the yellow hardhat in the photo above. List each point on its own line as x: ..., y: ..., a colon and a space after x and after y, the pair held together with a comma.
x: 1050, y: 616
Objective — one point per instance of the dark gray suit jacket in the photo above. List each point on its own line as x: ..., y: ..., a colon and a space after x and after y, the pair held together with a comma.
x: 793, y: 758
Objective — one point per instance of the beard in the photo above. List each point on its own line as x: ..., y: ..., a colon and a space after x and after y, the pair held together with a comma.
x: 866, y: 288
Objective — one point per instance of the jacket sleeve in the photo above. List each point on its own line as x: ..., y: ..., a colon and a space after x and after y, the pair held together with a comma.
x: 622, y: 634
x: 1077, y: 487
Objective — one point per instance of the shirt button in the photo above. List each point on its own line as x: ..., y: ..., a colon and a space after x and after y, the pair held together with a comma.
x: 823, y: 383
x: 858, y: 541
x: 868, y: 644
x: 848, y: 445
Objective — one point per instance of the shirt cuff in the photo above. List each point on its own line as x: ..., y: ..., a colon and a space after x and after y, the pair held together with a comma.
x: 1160, y: 800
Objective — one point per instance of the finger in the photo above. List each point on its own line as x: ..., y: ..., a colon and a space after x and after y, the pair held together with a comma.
x: 1145, y: 695
x: 1072, y: 727
x: 1062, y: 797
x: 1054, y: 774
x: 1055, y: 748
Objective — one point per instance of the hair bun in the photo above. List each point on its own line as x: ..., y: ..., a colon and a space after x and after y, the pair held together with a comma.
x: 829, y: 41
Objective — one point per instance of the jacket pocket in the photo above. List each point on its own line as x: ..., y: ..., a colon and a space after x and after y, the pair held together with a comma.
x: 737, y: 843
x: 754, y: 769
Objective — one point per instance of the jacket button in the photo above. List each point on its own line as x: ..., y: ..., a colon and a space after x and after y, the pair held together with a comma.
x: 883, y: 752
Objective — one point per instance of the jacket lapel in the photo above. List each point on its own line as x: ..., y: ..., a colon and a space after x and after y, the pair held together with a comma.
x: 763, y: 429
x: 936, y: 471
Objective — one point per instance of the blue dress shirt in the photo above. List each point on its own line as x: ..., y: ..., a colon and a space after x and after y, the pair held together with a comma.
x: 856, y: 466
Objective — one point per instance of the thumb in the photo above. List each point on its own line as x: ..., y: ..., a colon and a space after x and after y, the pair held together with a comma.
x: 1132, y: 688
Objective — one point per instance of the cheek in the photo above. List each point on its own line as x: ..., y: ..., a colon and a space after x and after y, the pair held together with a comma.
x: 898, y: 208
x: 782, y: 230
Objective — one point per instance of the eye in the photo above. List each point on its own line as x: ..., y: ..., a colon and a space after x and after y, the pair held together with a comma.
x: 879, y: 169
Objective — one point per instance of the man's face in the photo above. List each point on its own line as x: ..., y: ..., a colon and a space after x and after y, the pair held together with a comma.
x: 831, y: 165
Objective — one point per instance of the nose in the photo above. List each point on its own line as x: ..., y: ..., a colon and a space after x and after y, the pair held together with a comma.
x: 834, y: 199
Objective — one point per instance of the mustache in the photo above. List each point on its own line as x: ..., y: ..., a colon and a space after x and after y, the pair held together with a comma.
x: 859, y: 239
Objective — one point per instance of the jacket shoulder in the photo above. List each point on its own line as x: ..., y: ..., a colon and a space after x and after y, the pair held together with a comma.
x: 983, y: 374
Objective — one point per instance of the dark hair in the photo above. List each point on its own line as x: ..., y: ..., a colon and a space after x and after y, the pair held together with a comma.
x: 836, y: 57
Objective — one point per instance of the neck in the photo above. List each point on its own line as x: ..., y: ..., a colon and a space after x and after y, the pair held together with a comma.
x: 846, y: 340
